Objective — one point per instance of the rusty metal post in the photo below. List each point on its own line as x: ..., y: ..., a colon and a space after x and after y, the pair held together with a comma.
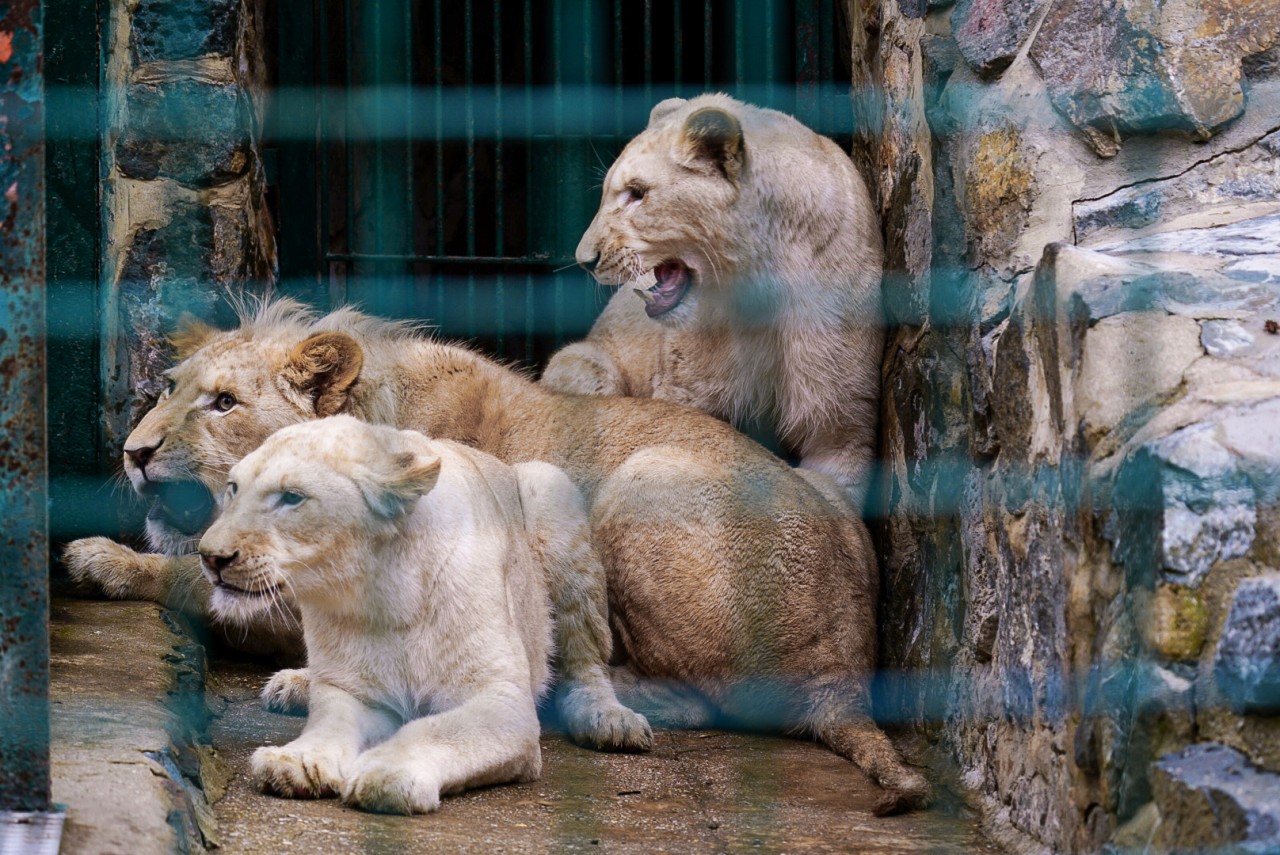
x: 24, y: 572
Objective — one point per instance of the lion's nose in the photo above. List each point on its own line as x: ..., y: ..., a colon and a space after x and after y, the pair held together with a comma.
x: 216, y: 563
x: 142, y: 455
x: 589, y: 264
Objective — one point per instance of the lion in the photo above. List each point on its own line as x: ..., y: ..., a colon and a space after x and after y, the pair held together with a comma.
x: 753, y: 256
x: 728, y: 572
x: 427, y: 621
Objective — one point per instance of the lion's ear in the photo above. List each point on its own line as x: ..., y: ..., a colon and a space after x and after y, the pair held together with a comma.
x: 409, y: 477
x: 713, y: 136
x: 665, y: 108
x: 325, y: 366
x: 190, y: 335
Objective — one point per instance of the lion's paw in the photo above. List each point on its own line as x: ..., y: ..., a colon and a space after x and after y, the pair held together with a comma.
x: 387, y: 785
x: 604, y: 724
x: 583, y: 369
x: 113, y: 567
x: 306, y: 773
x: 288, y: 692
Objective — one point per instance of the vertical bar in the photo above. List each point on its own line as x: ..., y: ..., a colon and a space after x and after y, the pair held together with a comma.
x: 351, y: 229
x: 302, y: 239
x: 706, y: 45
x: 529, y: 190
x: 558, y: 64
x: 739, y: 54
x: 679, y: 43
x: 770, y: 67
x: 24, y: 486
x: 648, y: 52
x: 618, y: 81
x: 470, y: 115
x: 499, y: 183
x: 826, y: 101
x: 438, y: 83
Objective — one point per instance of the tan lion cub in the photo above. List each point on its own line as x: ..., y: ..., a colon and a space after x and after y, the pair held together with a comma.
x: 426, y: 619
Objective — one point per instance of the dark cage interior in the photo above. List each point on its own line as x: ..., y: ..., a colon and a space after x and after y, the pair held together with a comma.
x: 439, y: 160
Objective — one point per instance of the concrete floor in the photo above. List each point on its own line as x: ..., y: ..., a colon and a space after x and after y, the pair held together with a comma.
x: 696, y: 792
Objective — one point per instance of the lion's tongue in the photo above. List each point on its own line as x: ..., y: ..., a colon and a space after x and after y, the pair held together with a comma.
x: 667, y: 292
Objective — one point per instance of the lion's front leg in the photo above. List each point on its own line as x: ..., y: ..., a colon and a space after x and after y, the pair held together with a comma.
x: 287, y: 692
x: 560, y: 540
x: 121, y: 573
x: 848, y: 461
x: 490, y: 739
x: 315, y: 765
x: 583, y: 368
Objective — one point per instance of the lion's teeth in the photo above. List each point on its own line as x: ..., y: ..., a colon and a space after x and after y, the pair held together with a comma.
x: 645, y: 280
x: 646, y: 296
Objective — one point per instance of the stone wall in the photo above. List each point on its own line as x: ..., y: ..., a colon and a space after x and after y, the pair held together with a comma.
x: 185, y: 223
x: 1080, y: 528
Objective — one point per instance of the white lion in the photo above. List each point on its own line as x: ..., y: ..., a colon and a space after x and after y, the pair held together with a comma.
x: 754, y: 254
x: 426, y: 618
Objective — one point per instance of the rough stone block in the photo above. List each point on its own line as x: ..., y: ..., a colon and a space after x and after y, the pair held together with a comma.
x: 1212, y: 800
x: 1131, y: 361
x: 1209, y: 505
x: 1210, y: 193
x: 1000, y: 187
x: 990, y: 33
x: 1247, y: 662
x: 1130, y: 66
x: 1176, y: 623
x: 183, y: 29
x: 196, y: 133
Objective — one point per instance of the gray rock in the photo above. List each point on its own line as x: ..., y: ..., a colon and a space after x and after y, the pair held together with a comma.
x: 1211, y: 799
x: 1224, y: 338
x: 1247, y: 663
x: 990, y: 32
x: 1224, y: 184
x: 196, y: 133
x: 166, y: 30
x: 1122, y: 68
x: 1256, y: 237
x: 1208, y: 504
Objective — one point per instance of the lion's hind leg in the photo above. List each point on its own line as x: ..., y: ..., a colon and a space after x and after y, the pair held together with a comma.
x: 560, y: 540
x: 838, y: 718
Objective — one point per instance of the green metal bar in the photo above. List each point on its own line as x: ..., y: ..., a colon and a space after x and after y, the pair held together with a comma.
x: 499, y: 180
x: 77, y: 447
x: 468, y: 78
x: 770, y: 66
x: 350, y: 226
x: 679, y: 47
x: 739, y: 55
x: 24, y: 485
x: 557, y: 294
x: 617, y: 68
x: 528, y: 171
x: 438, y: 82
x: 302, y: 220
x: 648, y: 50
x: 706, y: 44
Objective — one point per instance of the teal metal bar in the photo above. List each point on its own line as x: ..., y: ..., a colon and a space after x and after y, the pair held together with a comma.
x: 24, y: 486
x: 438, y: 82
x: 499, y: 182
x: 529, y: 284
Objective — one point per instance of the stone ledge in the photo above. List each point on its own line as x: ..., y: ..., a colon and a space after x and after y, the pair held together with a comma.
x: 129, y: 753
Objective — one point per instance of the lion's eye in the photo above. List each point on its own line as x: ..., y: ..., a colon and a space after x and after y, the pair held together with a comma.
x: 635, y: 192
x: 291, y: 499
x: 230, y: 491
x: 168, y: 387
x: 224, y: 402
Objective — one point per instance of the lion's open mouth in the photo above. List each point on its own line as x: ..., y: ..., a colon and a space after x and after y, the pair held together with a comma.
x: 184, y: 505
x: 247, y: 593
x: 672, y: 280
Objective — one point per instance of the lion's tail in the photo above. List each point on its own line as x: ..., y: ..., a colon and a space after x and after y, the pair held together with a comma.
x: 838, y: 718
